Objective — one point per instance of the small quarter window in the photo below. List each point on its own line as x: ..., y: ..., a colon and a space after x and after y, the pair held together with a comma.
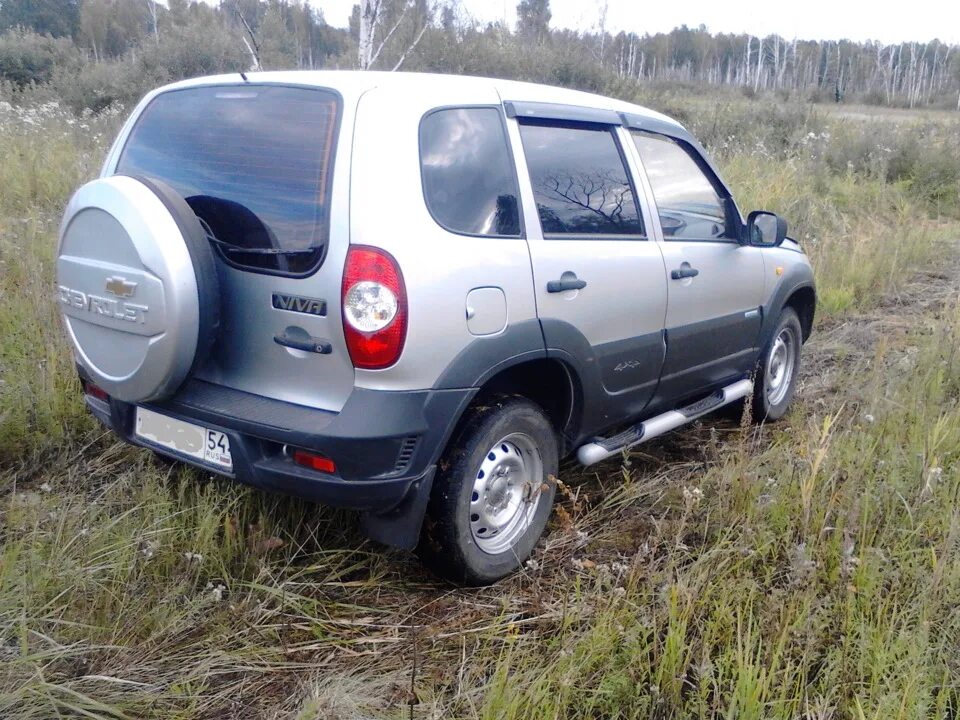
x: 468, y: 178
x: 579, y: 180
x: 689, y: 205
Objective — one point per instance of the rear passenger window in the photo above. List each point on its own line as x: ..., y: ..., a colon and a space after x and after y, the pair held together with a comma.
x: 579, y: 180
x: 690, y: 207
x: 468, y: 177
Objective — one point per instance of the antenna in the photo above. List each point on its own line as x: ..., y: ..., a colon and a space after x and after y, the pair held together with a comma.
x: 243, y: 75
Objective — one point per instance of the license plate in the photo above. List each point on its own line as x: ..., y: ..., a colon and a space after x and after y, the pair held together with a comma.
x: 209, y: 446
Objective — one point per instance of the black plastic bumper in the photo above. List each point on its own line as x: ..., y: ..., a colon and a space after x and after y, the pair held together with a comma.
x: 385, y: 446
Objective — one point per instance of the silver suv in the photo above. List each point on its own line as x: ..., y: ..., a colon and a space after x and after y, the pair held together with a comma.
x: 412, y: 295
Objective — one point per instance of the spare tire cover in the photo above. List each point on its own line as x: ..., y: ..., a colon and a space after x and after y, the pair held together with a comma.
x: 137, y: 285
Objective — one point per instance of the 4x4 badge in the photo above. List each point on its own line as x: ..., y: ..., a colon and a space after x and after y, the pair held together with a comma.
x: 120, y: 286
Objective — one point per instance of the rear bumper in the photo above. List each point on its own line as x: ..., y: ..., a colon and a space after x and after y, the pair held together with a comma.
x: 385, y: 445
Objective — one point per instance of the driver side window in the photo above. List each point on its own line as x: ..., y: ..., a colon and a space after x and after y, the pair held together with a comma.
x: 690, y: 207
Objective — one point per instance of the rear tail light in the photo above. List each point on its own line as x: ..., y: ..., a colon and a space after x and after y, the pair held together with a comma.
x: 374, y: 302
x: 95, y: 391
x: 314, y: 461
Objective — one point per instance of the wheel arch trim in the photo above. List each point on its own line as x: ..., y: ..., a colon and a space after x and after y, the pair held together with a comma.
x: 798, y: 278
x: 523, y: 343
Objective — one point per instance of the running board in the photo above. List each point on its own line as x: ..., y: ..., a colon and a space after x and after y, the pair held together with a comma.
x: 601, y: 449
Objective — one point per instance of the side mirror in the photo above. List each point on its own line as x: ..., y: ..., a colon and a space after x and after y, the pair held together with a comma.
x: 765, y: 229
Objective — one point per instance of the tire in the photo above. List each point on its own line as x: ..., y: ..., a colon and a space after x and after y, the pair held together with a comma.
x: 137, y: 286
x: 470, y: 492
x: 776, y: 377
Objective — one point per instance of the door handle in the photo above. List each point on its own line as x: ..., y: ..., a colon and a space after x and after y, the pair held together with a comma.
x: 684, y: 272
x: 567, y: 281
x: 307, y: 344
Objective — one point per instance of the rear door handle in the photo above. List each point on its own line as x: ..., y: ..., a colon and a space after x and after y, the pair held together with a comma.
x: 567, y: 281
x: 684, y: 272
x: 307, y: 344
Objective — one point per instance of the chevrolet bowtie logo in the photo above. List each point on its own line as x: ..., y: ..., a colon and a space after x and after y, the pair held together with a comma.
x: 119, y: 286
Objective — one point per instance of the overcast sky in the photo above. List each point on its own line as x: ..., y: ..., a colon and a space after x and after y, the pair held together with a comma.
x: 881, y: 20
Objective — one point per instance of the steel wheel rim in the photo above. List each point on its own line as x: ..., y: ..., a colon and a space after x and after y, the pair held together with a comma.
x: 781, y: 363
x: 506, y: 493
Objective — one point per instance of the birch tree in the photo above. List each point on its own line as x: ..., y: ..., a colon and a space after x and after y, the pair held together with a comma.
x: 377, y: 28
x: 152, y: 9
x: 253, y: 47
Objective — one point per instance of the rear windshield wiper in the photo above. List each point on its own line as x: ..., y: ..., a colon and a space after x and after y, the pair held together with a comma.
x: 230, y: 247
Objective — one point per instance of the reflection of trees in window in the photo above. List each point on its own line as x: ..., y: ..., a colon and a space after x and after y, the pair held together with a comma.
x: 590, y: 202
x: 507, y: 219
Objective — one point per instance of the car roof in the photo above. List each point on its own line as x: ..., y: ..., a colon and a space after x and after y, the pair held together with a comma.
x: 429, y: 88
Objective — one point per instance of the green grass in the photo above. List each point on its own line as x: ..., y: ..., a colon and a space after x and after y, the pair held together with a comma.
x: 817, y: 572
x: 46, y: 153
x: 808, y: 569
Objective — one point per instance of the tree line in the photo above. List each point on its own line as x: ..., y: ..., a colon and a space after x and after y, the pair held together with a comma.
x: 912, y: 74
x: 96, y: 52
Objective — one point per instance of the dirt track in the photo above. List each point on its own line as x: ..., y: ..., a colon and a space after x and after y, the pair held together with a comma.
x: 838, y: 348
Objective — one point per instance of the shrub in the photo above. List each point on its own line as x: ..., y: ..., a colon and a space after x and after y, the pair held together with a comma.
x: 97, y: 86
x: 193, y: 50
x: 27, y: 58
x: 186, y: 52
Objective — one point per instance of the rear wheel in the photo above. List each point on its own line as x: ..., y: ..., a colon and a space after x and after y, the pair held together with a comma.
x: 493, y: 494
x: 777, y: 371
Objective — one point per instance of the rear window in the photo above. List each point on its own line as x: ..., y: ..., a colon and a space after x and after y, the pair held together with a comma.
x: 468, y: 177
x: 253, y: 161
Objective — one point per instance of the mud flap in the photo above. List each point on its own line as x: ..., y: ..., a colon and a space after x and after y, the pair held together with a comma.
x: 400, y: 527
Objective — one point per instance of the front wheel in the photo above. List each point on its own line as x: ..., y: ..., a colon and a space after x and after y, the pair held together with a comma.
x: 493, y: 493
x: 776, y: 378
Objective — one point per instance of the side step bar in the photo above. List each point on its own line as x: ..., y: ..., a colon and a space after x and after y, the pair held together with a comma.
x: 601, y: 449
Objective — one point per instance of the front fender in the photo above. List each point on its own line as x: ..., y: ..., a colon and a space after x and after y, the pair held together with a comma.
x: 795, y: 277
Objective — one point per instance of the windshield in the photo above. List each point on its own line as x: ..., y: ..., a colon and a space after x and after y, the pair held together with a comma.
x: 254, y: 163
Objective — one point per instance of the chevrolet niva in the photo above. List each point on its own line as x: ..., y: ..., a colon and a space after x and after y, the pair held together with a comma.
x: 412, y: 295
